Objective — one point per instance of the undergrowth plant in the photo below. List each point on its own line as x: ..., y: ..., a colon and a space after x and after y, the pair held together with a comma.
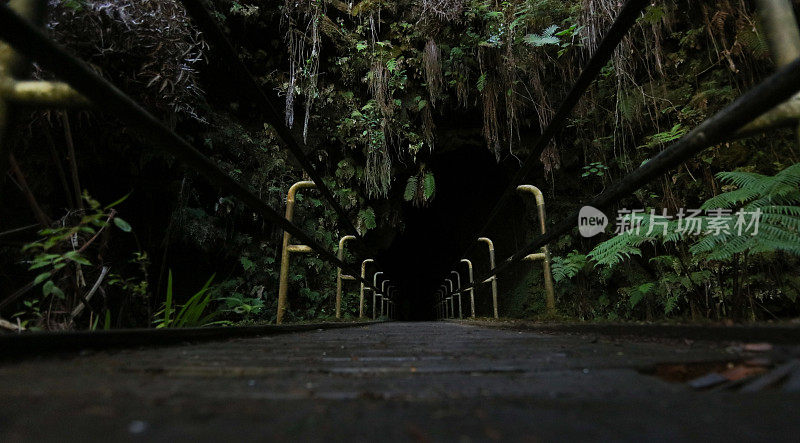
x: 699, y: 256
x: 192, y: 314
x: 774, y: 200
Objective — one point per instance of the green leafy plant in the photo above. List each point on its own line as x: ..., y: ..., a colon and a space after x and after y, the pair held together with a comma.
x: 662, y: 138
x: 637, y: 293
x: 420, y: 188
x: 366, y: 220
x: 774, y: 199
x: 190, y: 314
x: 547, y: 37
x: 240, y: 304
x: 61, y: 246
x: 595, y: 168
x: 564, y: 268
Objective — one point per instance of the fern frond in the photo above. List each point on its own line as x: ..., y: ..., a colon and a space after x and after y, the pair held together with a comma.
x: 776, y: 197
x: 756, y: 182
x: 725, y: 249
x: 789, y: 220
x: 789, y: 176
x: 411, y: 188
x: 564, y: 268
x: 429, y: 186
x: 731, y: 199
x: 616, y: 249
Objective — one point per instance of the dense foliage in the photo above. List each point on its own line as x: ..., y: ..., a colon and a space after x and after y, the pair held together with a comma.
x: 377, y: 89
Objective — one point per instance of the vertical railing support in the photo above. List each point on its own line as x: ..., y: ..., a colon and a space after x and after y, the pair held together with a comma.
x: 545, y: 255
x: 339, y: 275
x: 283, y: 283
x: 452, y: 302
x: 444, y: 300
x: 471, y: 284
x: 375, y: 294
x: 388, y: 299
x: 36, y: 94
x: 494, y: 277
x: 391, y: 312
x: 458, y: 293
x: 384, y: 296
x: 361, y: 290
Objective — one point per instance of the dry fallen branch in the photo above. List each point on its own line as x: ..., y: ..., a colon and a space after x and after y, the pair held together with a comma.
x: 78, y: 309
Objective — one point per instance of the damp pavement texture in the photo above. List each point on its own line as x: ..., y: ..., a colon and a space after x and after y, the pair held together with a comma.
x: 433, y: 381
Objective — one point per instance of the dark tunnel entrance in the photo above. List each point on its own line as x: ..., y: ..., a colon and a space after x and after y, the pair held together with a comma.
x: 469, y: 181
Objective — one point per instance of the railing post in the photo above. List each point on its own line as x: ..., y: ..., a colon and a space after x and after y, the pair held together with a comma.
x: 494, y: 277
x: 391, y: 311
x: 452, y: 303
x: 545, y: 255
x: 36, y: 94
x: 444, y: 300
x: 361, y: 290
x: 283, y: 283
x: 384, y: 296
x: 471, y: 286
x: 339, y: 276
x: 375, y: 294
x: 439, y: 304
x: 458, y: 292
x: 388, y: 298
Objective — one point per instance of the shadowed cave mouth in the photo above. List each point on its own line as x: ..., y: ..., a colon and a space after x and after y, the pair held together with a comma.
x: 469, y: 182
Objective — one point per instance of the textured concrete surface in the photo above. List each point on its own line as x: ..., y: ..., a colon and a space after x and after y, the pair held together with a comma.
x: 395, y: 381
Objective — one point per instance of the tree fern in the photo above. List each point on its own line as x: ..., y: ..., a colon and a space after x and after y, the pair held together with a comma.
x: 617, y: 249
x: 564, y: 268
x: 775, y: 198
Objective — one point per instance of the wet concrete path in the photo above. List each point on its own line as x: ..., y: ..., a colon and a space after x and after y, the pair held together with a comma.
x: 395, y: 381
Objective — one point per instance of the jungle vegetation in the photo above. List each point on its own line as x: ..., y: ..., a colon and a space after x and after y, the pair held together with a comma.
x: 107, y: 233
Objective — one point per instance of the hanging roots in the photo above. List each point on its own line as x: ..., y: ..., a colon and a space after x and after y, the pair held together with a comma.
x: 508, y: 74
x: 550, y: 158
x: 462, y: 83
x: 431, y: 59
x: 304, y: 52
x: 378, y: 172
x: 428, y: 126
x: 445, y: 10
x: 491, y: 125
x: 379, y: 87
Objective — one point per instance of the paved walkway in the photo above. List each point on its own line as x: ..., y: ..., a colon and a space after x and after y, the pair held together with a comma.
x: 395, y: 381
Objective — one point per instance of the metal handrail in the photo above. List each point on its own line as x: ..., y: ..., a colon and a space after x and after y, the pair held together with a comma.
x: 471, y: 286
x: 339, y: 275
x: 286, y: 249
x: 362, y: 288
x: 490, y: 245
x: 544, y: 256
x: 458, y: 292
